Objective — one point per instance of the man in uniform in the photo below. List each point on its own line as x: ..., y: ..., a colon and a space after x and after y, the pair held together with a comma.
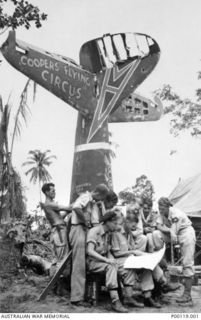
x: 138, y: 235
x: 174, y: 225
x: 123, y: 245
x: 109, y: 203
x: 163, y: 286
x: 85, y: 215
x: 149, y: 219
x: 99, y: 259
x: 55, y: 214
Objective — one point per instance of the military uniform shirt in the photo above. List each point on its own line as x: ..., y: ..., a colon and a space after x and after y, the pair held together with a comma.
x: 150, y: 220
x: 89, y: 207
x: 100, y: 239
x: 179, y: 220
x: 163, y: 221
x: 121, y: 241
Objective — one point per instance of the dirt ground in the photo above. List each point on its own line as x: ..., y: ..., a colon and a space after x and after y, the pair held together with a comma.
x: 19, y: 295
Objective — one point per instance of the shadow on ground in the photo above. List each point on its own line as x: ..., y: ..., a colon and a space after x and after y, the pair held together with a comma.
x: 19, y: 295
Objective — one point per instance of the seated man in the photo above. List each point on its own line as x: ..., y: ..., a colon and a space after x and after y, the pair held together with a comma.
x: 139, y: 238
x: 149, y: 219
x: 158, y: 274
x: 99, y: 259
x: 123, y: 245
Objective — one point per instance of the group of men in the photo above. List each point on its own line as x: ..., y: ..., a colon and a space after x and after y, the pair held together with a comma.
x: 101, y: 237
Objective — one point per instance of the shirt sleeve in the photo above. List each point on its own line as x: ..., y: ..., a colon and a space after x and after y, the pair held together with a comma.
x: 176, y: 217
x: 92, y: 235
x: 159, y: 220
x: 82, y: 201
x: 137, y: 232
x: 115, y: 246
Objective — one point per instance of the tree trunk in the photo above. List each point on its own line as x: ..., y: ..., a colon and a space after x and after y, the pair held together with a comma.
x: 2, y: 141
x: 39, y: 183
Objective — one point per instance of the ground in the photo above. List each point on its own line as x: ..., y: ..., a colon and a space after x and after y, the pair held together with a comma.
x: 19, y: 294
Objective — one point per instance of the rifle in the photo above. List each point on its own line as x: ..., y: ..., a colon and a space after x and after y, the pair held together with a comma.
x: 60, y: 269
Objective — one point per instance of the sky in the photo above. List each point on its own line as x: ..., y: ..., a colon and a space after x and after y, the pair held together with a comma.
x: 143, y: 148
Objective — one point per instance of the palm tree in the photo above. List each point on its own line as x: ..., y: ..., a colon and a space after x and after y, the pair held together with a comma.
x: 38, y: 161
x: 11, y: 196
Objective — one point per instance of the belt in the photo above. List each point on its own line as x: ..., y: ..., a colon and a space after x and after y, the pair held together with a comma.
x: 59, y: 225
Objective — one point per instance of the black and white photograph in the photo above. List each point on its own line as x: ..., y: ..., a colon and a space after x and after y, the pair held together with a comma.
x: 100, y: 159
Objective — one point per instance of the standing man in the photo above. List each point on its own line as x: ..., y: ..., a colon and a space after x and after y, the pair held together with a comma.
x: 85, y: 215
x: 175, y: 225
x: 109, y: 203
x: 55, y: 214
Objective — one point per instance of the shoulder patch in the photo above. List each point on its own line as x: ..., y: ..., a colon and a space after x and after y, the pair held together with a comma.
x: 175, y: 220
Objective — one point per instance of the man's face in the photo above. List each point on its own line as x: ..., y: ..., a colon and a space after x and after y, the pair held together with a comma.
x: 98, y: 197
x: 112, y: 225
x: 119, y: 223
x: 109, y: 205
x: 130, y: 225
x: 51, y: 193
x: 164, y: 210
x: 133, y: 225
x: 146, y: 209
x: 127, y: 225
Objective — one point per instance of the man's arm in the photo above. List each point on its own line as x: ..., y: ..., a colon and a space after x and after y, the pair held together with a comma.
x: 148, y: 229
x: 56, y: 207
x: 163, y: 228
x: 119, y: 254
x: 80, y: 214
x: 92, y: 253
x: 137, y: 232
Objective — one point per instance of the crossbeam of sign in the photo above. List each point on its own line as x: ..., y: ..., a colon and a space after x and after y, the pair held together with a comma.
x: 136, y: 108
x: 111, y: 68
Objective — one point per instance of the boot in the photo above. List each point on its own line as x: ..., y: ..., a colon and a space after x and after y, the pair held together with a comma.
x: 186, y: 296
x: 117, y: 306
x: 150, y: 302
x: 168, y: 287
x: 129, y: 300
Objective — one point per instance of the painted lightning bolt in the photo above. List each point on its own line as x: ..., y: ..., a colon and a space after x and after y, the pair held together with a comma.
x: 99, y: 116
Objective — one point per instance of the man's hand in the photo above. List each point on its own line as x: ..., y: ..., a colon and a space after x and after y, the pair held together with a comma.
x: 87, y: 224
x: 111, y: 261
x: 138, y: 252
x: 173, y: 237
x: 148, y: 230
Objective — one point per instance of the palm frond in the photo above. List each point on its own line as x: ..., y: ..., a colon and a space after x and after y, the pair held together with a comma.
x: 47, y: 163
x: 30, y: 170
x: 27, y: 163
x: 50, y: 157
x: 21, y: 114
